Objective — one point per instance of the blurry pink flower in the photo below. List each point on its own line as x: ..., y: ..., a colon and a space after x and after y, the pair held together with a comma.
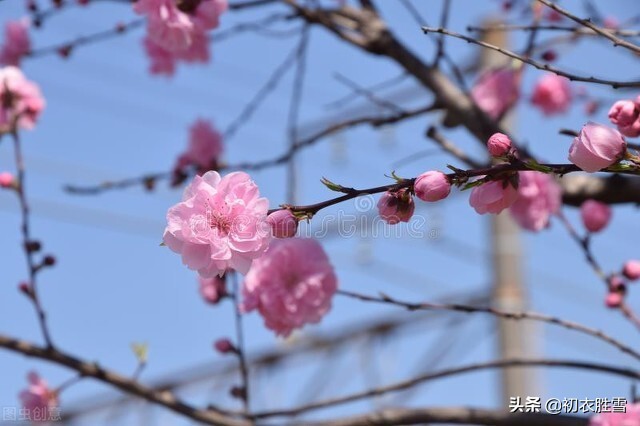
x: 283, y: 223
x: 595, y: 215
x: 208, y: 13
x: 631, y: 417
x: 552, y: 94
x: 432, y: 186
x: 198, y: 50
x: 539, y: 197
x: 499, y: 144
x: 19, y: 98
x: 38, y: 399
x: 291, y: 285
x: 16, y: 42
x: 212, y: 289
x: 613, y: 299
x: 596, y: 147
x: 220, y: 224
x: 631, y: 269
x: 611, y: 23
x: 492, y: 197
x: 554, y: 16
x: 167, y: 26
x: 224, y: 346
x: 163, y: 62
x: 6, y: 180
x: 496, y: 91
x: 396, y: 206
x: 205, y: 146
x: 626, y: 115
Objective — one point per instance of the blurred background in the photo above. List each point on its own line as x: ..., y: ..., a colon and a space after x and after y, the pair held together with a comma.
x: 107, y: 119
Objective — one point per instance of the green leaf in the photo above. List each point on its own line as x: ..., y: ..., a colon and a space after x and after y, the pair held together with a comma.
x: 333, y: 186
x: 473, y: 184
x: 534, y: 165
x: 141, y: 351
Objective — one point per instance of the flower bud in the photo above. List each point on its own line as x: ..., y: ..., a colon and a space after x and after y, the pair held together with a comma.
x: 224, y: 346
x: 213, y: 289
x: 613, y: 300
x: 283, y: 223
x: 631, y: 269
x: 597, y: 147
x: 595, y: 215
x: 49, y: 260
x: 396, y: 206
x: 7, y: 180
x: 432, y: 186
x: 499, y: 144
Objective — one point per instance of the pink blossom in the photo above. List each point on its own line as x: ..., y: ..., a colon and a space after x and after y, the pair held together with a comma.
x: 205, y: 147
x: 396, y: 206
x: 631, y: 417
x: 596, y: 147
x: 595, y: 215
x: 499, y: 144
x: 496, y: 91
x: 208, y: 13
x: 539, y: 197
x: 38, y: 399
x: 212, y: 289
x: 611, y: 23
x: 21, y: 97
x: 291, y: 285
x: 626, y: 115
x: 432, y: 186
x: 198, y: 50
x: 631, y: 269
x: 283, y: 223
x: 220, y: 224
x: 6, y: 180
x: 16, y: 43
x: 492, y: 197
x: 613, y: 299
x: 552, y: 94
x: 163, y: 62
x: 167, y: 26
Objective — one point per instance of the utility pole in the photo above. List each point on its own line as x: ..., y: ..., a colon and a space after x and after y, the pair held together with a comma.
x: 516, y: 339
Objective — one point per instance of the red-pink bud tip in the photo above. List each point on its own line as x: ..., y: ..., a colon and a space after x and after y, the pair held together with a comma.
x: 224, y: 346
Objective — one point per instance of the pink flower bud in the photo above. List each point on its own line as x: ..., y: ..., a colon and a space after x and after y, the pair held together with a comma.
x: 432, y: 186
x: 595, y: 215
x: 396, y: 206
x: 596, y: 147
x: 613, y: 300
x: 212, y: 289
x: 283, y: 223
x: 492, y: 197
x: 499, y: 144
x: 631, y: 269
x: 552, y: 94
x: 625, y: 114
x: 6, y: 180
x: 224, y: 346
x: 549, y: 55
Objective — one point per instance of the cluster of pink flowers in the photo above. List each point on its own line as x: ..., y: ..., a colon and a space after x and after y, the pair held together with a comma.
x: 496, y: 91
x: 203, y: 151
x: 220, y: 224
x: 291, y: 285
x: 552, y: 94
x: 16, y: 43
x: 626, y: 115
x: 38, y: 399
x: 597, y: 147
x: 630, y: 417
x: 178, y: 32
x: 20, y: 99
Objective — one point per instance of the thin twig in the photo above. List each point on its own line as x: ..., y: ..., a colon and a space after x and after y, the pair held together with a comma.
x: 240, y: 347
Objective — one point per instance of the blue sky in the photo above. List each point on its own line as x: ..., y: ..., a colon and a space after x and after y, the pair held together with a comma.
x: 106, y: 118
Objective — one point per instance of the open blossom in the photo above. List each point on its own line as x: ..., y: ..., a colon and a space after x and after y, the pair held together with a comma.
x: 177, y: 34
x: 432, y: 186
x: 597, y: 147
x: 204, y: 149
x: 626, y: 115
x: 396, y: 206
x: 220, y: 224
x: 20, y: 98
x: 16, y: 42
x: 630, y: 417
x: 552, y: 94
x: 539, y: 197
x: 291, y: 285
x: 38, y: 399
x: 496, y: 91
x: 595, y: 215
x: 492, y: 197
